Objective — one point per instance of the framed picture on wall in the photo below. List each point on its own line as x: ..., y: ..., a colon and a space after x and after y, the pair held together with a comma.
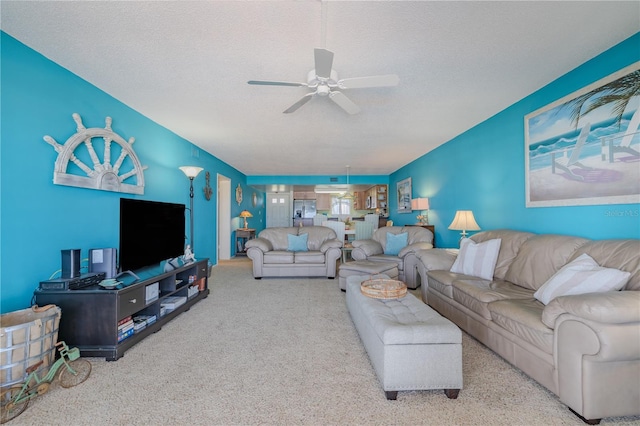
x: 584, y: 149
x: 404, y: 195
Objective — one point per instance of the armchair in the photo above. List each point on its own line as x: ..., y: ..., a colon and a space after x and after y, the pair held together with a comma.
x: 376, y: 249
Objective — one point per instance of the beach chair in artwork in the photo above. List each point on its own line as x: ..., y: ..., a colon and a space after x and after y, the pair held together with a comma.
x: 625, y: 142
x: 568, y: 163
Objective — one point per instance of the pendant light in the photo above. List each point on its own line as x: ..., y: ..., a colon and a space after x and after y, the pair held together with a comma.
x: 348, y: 195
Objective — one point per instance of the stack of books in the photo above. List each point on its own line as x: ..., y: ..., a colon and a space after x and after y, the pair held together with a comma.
x: 172, y: 302
x: 125, y: 328
x: 142, y: 321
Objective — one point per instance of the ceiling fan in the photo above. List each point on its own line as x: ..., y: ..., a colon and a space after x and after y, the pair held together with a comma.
x: 324, y: 82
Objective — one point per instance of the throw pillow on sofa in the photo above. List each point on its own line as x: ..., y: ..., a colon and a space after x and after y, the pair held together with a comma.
x: 477, y: 259
x: 395, y: 243
x: 297, y: 242
x: 582, y: 275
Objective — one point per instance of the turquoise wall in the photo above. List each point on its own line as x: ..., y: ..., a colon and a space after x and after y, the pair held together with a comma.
x: 38, y: 218
x: 483, y: 170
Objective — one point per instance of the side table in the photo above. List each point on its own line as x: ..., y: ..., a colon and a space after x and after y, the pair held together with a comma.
x: 242, y: 236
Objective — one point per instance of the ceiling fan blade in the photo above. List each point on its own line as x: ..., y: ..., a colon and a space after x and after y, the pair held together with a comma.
x: 306, y: 98
x: 276, y: 83
x: 372, y: 81
x: 344, y: 102
x: 324, y: 62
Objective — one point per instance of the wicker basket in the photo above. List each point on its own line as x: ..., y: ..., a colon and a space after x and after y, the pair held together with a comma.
x: 27, y: 337
x: 383, y: 289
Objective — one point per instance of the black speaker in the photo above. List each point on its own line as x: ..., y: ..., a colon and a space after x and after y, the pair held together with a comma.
x: 103, y: 260
x: 70, y: 263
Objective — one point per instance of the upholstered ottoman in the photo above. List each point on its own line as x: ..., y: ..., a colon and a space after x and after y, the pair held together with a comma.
x: 410, y: 346
x: 365, y: 267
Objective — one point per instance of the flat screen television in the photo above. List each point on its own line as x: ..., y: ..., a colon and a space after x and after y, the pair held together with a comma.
x: 150, y: 232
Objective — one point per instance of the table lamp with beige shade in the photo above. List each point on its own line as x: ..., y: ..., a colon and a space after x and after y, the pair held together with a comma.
x: 464, y: 221
x: 245, y: 214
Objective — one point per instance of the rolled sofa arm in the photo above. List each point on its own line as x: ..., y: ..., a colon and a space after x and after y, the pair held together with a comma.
x: 261, y: 243
x: 612, y: 307
x: 437, y: 259
x: 598, y: 366
x: 329, y: 244
x: 365, y: 248
x: 413, y: 248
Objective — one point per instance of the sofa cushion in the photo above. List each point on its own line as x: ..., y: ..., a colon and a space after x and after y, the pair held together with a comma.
x: 318, y: 235
x: 510, y: 244
x: 582, y: 275
x: 522, y: 317
x: 442, y: 281
x: 278, y: 256
x: 476, y: 294
x: 297, y: 242
x: 395, y: 243
x: 308, y: 257
x: 477, y: 259
x: 540, y: 257
x: 619, y: 254
x: 278, y: 236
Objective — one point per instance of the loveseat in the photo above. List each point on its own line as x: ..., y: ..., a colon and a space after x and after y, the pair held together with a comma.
x: 379, y: 249
x: 310, y: 251
x: 585, y: 348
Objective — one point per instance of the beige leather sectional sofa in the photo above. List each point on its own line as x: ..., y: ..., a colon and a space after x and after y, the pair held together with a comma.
x: 585, y: 348
x: 272, y: 256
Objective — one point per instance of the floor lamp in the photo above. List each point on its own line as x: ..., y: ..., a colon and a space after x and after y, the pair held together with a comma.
x: 191, y: 172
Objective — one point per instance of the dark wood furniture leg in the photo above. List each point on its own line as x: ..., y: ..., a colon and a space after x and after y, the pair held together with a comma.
x: 452, y: 393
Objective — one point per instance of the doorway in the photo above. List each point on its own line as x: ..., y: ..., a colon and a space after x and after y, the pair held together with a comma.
x: 223, y: 243
x: 279, y: 210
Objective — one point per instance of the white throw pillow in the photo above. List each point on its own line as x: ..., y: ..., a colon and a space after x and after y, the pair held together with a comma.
x: 477, y: 259
x: 582, y: 275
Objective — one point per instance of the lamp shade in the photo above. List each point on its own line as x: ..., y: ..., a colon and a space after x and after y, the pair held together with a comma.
x: 191, y: 171
x: 464, y: 221
x: 420, y: 204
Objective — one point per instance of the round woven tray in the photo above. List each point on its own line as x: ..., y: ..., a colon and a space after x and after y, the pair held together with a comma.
x: 383, y: 289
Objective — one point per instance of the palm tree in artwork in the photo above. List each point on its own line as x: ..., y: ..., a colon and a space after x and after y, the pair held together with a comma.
x: 618, y: 92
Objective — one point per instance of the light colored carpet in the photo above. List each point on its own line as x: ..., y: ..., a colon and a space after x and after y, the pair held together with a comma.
x: 281, y: 352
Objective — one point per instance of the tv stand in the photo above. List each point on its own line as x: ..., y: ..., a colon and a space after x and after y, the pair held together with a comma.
x: 96, y: 320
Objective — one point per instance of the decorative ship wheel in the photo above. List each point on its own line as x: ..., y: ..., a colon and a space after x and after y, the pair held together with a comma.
x: 104, y: 175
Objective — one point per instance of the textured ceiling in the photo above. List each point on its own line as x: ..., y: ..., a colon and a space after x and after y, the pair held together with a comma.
x: 186, y: 65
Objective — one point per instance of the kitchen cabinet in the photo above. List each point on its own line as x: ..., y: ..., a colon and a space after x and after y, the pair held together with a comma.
x: 323, y: 202
x: 304, y: 195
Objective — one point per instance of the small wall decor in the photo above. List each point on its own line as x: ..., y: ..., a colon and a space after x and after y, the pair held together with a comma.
x: 404, y: 195
x: 239, y: 194
x: 254, y: 199
x: 584, y: 149
x: 103, y: 175
x: 207, y: 187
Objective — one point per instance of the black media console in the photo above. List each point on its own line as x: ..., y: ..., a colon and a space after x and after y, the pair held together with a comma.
x: 100, y: 322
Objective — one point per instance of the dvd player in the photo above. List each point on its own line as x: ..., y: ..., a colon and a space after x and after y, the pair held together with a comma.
x: 84, y: 280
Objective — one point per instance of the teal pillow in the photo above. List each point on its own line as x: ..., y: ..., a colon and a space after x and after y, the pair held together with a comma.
x: 395, y: 243
x: 297, y: 242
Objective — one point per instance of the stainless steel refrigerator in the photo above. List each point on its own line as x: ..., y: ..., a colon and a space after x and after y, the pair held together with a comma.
x: 304, y: 209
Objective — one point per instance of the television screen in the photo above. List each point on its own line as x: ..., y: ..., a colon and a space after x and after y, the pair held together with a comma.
x: 150, y: 232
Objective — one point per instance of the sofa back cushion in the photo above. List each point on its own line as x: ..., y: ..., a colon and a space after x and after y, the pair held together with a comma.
x: 510, y: 243
x: 278, y: 236
x: 415, y: 234
x: 540, y: 257
x: 619, y: 254
x: 317, y: 236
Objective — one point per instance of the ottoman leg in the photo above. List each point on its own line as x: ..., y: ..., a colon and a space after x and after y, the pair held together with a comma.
x: 391, y: 395
x: 452, y: 393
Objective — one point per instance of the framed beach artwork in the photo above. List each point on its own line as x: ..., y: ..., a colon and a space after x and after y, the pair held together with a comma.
x: 404, y: 195
x: 584, y: 149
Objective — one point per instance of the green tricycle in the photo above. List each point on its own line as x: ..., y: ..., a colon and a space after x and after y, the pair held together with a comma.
x: 14, y: 400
